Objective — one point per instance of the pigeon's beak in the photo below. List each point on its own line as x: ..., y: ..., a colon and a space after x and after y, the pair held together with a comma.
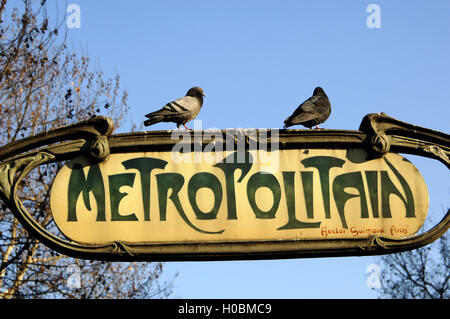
x: 203, y: 94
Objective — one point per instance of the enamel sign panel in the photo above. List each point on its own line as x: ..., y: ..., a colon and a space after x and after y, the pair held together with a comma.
x: 298, y: 194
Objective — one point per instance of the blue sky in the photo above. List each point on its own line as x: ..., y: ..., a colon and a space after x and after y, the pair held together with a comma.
x: 256, y: 61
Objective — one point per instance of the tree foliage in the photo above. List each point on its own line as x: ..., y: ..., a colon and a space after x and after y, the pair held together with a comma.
x: 423, y: 273
x: 44, y: 85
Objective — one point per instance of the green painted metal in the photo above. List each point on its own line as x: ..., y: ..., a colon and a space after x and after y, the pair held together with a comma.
x: 378, y: 133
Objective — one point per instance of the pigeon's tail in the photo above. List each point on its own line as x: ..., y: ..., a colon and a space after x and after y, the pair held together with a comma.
x: 152, y: 121
x: 287, y: 124
x: 154, y: 118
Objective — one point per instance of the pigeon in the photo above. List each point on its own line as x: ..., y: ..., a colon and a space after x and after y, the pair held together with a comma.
x: 179, y: 111
x: 312, y: 112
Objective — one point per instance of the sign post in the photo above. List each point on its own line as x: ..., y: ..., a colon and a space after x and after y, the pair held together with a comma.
x: 230, y: 194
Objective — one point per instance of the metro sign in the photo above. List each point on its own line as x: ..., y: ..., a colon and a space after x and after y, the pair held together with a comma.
x: 143, y: 197
x: 320, y: 193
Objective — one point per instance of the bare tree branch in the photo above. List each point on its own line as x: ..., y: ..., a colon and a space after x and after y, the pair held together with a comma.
x: 422, y: 273
x: 44, y: 85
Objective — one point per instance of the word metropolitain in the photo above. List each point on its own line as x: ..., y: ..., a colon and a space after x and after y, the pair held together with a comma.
x: 308, y: 194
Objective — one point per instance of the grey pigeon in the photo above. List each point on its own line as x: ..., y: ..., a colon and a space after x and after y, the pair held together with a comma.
x: 179, y: 111
x: 312, y: 112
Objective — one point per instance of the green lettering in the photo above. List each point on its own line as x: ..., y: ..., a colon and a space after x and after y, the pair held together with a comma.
x: 372, y: 184
x: 175, y: 182
x: 115, y: 183
x: 145, y: 166
x: 289, y: 187
x: 388, y: 188
x: 323, y: 165
x: 341, y: 196
x: 208, y: 180
x: 228, y: 166
x: 79, y: 183
x: 263, y: 179
x: 308, y: 193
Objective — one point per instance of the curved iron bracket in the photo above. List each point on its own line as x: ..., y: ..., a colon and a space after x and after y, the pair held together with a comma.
x: 379, y: 132
x: 385, y: 133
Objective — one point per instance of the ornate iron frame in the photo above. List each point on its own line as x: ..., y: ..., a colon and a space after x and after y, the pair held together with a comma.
x: 379, y: 133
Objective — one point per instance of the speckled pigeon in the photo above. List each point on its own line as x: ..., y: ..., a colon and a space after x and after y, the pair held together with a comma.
x: 312, y: 112
x: 179, y: 111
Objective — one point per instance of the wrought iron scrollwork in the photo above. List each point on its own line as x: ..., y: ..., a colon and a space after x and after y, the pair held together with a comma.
x: 379, y: 132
